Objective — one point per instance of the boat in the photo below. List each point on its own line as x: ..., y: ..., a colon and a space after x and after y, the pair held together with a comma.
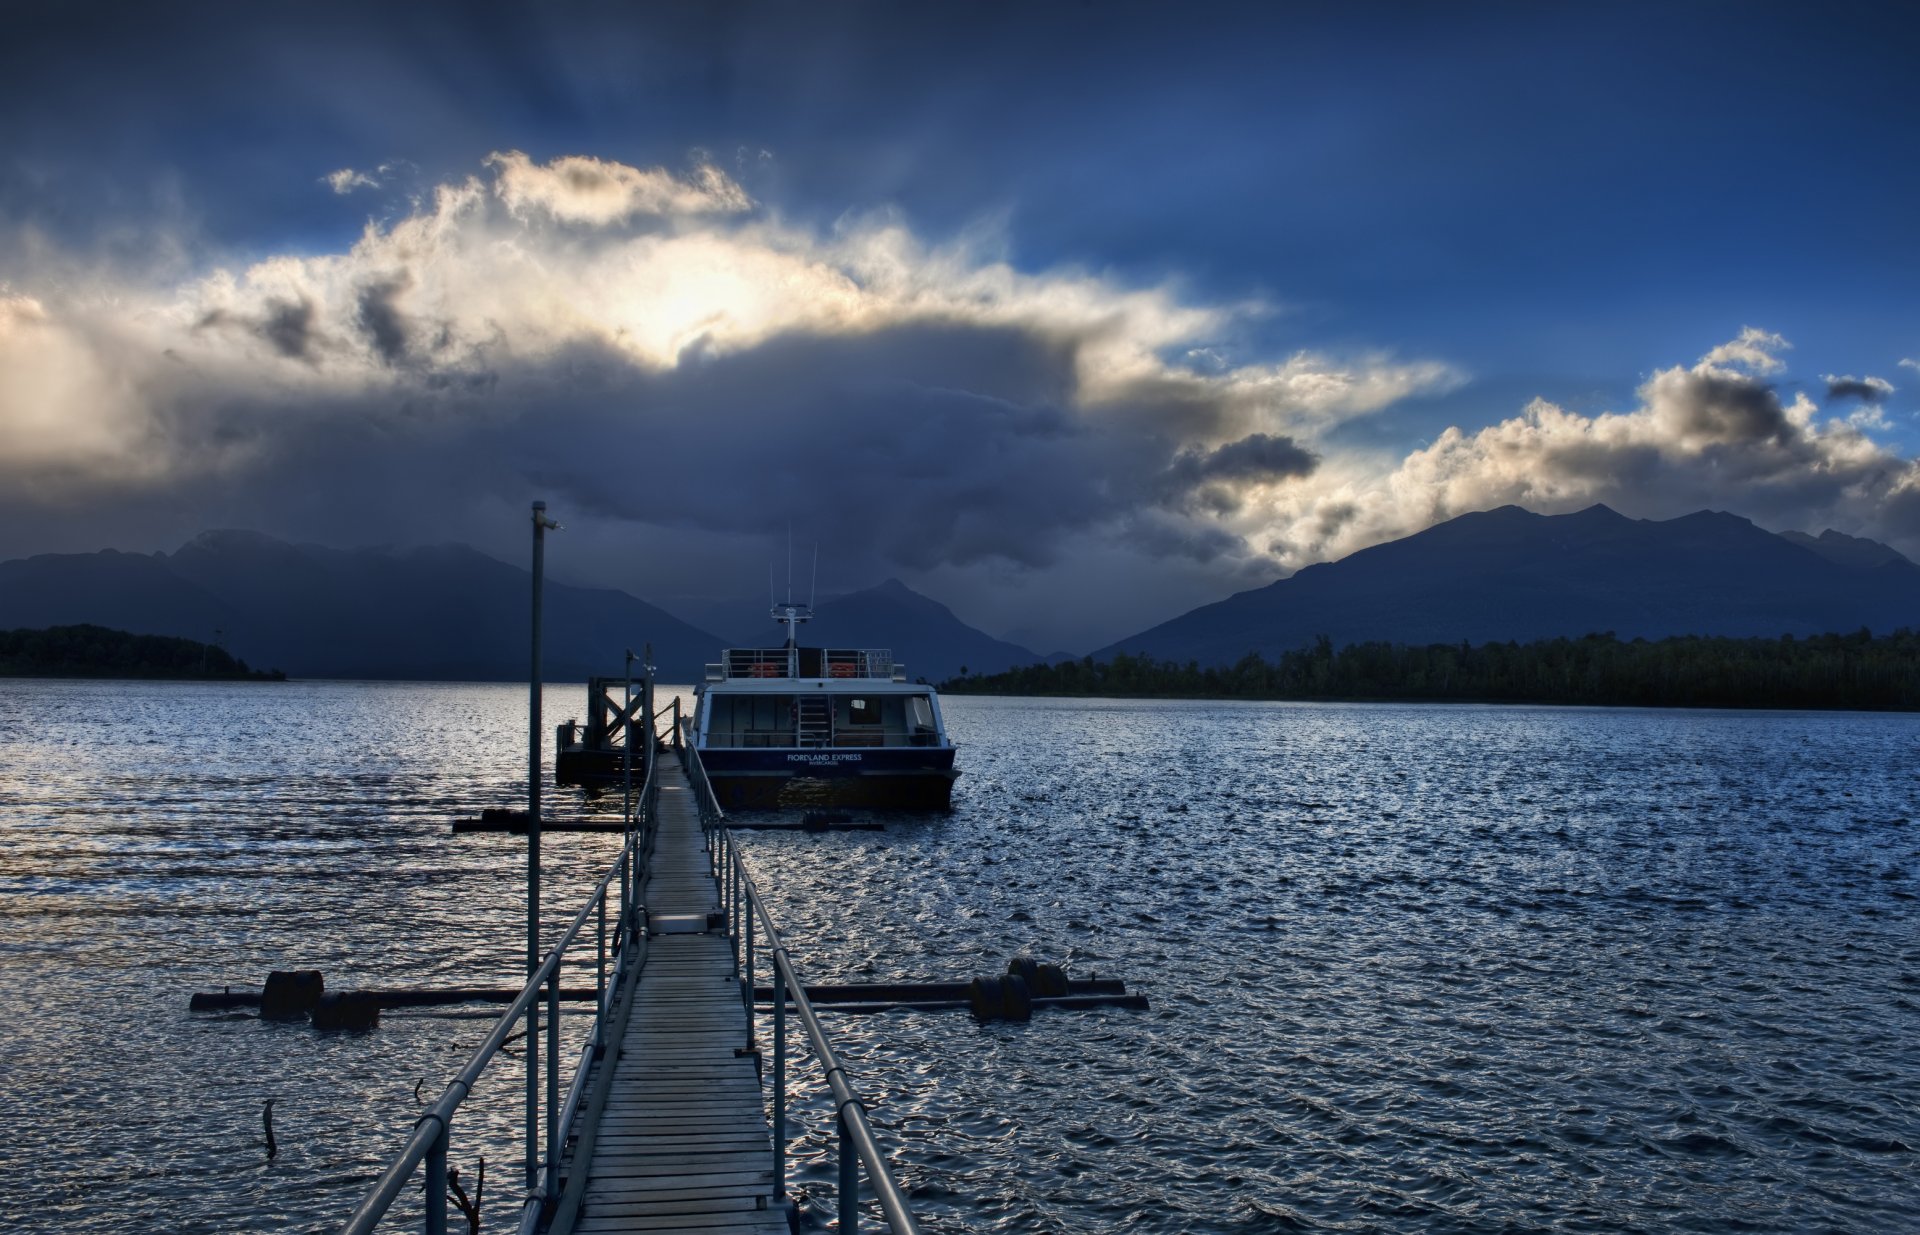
x: 795, y: 726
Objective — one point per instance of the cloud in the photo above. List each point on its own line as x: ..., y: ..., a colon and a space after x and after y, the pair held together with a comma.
x: 1712, y: 435
x: 1753, y: 350
x: 1910, y: 364
x: 380, y: 318
x: 568, y: 327
x: 1217, y: 479
x: 579, y: 189
x: 1866, y: 389
x: 659, y: 357
x: 346, y: 180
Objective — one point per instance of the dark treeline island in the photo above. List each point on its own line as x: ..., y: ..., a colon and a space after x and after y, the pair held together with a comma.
x: 1856, y: 671
x: 97, y: 652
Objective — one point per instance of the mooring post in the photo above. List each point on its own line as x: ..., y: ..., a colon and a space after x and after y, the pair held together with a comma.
x: 540, y: 525
x: 849, y: 1179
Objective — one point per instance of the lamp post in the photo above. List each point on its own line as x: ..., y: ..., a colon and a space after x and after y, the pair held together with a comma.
x: 541, y: 524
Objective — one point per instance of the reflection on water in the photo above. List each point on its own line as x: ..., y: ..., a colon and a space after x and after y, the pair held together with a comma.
x: 1412, y: 968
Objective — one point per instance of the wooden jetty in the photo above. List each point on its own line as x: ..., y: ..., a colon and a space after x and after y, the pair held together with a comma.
x: 679, y: 1140
x: 663, y: 1127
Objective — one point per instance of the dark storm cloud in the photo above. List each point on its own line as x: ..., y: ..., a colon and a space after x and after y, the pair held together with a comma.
x: 289, y: 327
x: 1257, y: 458
x: 380, y: 319
x: 1865, y: 389
x: 920, y: 445
x: 1728, y: 407
x: 1213, y: 480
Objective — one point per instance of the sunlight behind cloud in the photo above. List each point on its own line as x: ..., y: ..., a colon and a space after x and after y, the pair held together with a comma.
x: 518, y: 326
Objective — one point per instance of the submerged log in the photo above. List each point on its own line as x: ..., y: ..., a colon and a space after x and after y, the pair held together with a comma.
x: 291, y: 993
x: 346, y: 1010
x: 1129, y: 1003
x: 923, y: 992
x: 216, y: 1001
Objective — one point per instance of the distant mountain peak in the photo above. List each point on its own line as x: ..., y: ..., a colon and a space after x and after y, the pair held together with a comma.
x: 227, y: 539
x: 1845, y: 550
x: 1510, y: 574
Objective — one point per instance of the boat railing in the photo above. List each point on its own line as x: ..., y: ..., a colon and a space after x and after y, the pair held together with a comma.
x: 744, y: 908
x: 859, y: 663
x: 431, y: 1139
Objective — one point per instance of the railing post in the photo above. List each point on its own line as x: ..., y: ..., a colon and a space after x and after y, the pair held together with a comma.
x: 746, y: 986
x: 552, y: 1187
x: 436, y: 1168
x: 626, y: 887
x: 779, y: 1079
x: 600, y: 957
x: 849, y: 1179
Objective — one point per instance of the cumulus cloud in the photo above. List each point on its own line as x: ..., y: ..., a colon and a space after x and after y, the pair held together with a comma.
x: 1753, y: 350
x: 1219, y: 479
x: 561, y: 327
x: 648, y: 349
x: 1866, y: 389
x: 579, y: 189
x: 1910, y: 364
x: 1711, y: 435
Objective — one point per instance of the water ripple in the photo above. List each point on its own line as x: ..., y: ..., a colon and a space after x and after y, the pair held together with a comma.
x: 1412, y: 969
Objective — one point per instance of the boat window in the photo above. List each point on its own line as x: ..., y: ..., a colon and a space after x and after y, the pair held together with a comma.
x: 757, y: 720
x: 921, y: 709
x: 861, y: 710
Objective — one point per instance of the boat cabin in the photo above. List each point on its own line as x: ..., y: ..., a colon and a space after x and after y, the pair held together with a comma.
x: 813, y: 698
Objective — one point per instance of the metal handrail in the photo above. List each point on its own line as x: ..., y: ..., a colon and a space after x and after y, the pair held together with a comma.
x: 744, y: 904
x: 429, y: 1140
x: 782, y: 662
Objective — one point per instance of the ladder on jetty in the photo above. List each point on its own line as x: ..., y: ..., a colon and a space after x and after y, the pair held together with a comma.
x: 665, y: 1127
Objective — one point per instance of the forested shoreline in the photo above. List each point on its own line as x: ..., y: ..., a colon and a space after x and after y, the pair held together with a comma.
x: 1858, y: 671
x: 99, y: 652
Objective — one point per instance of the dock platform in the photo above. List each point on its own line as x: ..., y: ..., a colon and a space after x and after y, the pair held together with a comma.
x: 679, y: 1140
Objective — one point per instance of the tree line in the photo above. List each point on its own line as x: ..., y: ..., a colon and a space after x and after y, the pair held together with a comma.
x: 99, y: 652
x: 1858, y: 671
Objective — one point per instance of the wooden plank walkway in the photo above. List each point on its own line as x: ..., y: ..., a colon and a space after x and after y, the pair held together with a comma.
x: 682, y: 1143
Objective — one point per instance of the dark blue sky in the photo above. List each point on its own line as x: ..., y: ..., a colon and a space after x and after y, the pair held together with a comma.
x: 1552, y: 200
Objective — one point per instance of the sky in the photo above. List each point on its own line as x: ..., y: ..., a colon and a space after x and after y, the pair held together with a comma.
x: 1072, y: 316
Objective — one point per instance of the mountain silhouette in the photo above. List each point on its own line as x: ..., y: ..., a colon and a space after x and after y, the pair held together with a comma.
x: 1509, y: 574
x: 447, y: 612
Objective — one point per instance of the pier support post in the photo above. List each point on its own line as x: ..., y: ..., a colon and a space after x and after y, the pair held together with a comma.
x: 436, y: 1168
x: 849, y: 1180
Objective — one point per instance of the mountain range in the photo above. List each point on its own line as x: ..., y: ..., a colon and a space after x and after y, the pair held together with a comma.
x: 450, y: 612
x: 1510, y: 574
x: 445, y: 613
x: 923, y: 634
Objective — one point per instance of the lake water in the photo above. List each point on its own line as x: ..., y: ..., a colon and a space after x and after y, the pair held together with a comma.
x: 1412, y: 968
